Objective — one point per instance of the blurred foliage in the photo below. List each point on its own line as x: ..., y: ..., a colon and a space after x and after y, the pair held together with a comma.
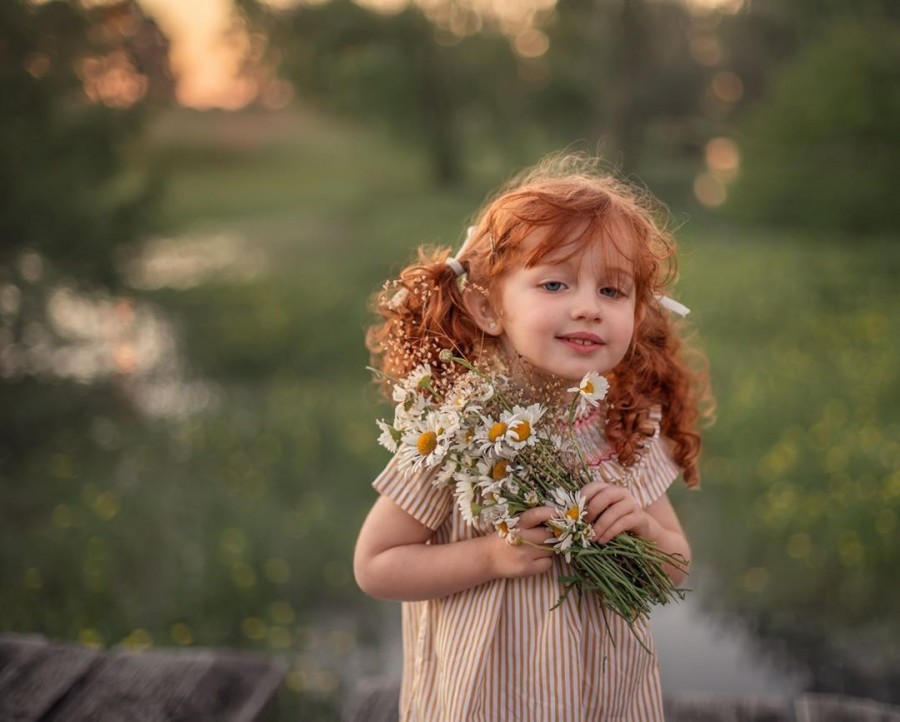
x: 823, y: 150
x: 63, y: 190
x: 69, y: 202
x: 800, y: 506
x: 607, y: 75
x: 397, y: 69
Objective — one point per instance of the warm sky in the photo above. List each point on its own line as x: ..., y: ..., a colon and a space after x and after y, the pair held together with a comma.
x: 201, y: 57
x: 206, y: 60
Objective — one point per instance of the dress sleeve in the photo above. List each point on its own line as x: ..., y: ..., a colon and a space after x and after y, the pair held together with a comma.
x: 656, y: 469
x: 414, y: 492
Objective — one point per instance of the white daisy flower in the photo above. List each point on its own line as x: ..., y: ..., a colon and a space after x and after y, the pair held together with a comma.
x: 491, y: 436
x: 465, y: 500
x: 591, y: 391
x: 411, y: 403
x: 568, y: 524
x: 522, y: 425
x: 506, y: 525
x: 419, y: 378
x: 465, y: 392
x: 424, y: 444
x: 447, y: 472
x: 514, y: 430
x: 568, y: 504
x: 389, y: 437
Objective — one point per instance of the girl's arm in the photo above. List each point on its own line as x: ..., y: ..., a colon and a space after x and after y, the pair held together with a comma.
x: 393, y: 561
x: 613, y: 509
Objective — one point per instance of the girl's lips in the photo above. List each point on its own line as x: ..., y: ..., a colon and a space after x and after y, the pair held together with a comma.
x: 582, y: 342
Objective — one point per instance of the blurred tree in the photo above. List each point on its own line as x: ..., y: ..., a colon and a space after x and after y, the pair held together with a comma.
x: 68, y: 203
x: 823, y: 149
x: 600, y: 71
x: 616, y: 68
x: 131, y: 59
x: 391, y: 68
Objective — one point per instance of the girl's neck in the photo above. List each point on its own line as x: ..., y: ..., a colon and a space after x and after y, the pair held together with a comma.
x: 528, y: 384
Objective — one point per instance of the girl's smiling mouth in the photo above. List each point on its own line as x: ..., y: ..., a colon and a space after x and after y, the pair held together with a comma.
x: 582, y: 341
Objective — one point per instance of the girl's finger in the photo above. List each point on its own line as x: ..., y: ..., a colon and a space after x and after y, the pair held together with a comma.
x: 603, y: 500
x: 535, y: 517
x: 622, y: 524
x: 588, y: 491
x: 605, y: 521
x: 536, y: 543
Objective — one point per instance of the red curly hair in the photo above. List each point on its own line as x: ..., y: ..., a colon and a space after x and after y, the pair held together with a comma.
x: 424, y: 310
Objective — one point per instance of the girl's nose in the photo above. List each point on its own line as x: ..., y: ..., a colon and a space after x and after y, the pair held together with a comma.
x: 586, y: 306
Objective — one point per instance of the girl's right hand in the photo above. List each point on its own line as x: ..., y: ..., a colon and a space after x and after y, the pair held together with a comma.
x: 531, y: 556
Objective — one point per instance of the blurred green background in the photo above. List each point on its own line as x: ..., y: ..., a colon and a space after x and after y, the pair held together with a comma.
x: 186, y: 423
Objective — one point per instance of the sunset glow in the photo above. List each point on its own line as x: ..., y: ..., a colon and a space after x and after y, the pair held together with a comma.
x: 205, y: 53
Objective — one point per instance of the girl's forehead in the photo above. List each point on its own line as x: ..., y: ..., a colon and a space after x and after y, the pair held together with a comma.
x: 599, y: 246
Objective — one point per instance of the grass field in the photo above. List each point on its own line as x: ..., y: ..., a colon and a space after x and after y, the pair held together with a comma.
x: 250, y: 503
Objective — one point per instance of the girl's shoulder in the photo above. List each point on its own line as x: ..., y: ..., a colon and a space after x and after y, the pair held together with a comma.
x: 653, y: 470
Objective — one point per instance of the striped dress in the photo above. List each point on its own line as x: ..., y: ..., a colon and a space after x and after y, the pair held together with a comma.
x: 496, y: 652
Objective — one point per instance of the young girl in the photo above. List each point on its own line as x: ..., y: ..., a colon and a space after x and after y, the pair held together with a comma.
x: 561, y: 275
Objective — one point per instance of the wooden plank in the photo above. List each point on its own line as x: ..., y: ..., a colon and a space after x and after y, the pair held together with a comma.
x: 39, y: 676
x: 47, y: 682
x: 134, y: 687
x: 835, y: 708
x: 375, y: 700
x: 237, y: 688
x: 726, y: 708
x: 14, y: 650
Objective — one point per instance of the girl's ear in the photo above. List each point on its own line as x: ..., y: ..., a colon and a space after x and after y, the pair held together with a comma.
x: 482, y: 311
x: 639, y: 314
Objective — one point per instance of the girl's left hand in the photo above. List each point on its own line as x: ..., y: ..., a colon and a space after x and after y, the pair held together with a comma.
x: 612, y: 510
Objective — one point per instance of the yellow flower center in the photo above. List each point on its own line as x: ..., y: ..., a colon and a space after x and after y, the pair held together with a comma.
x: 427, y: 443
x: 500, y: 470
x: 587, y: 387
x: 497, y: 430
x: 503, y: 528
x: 557, y: 532
x: 522, y: 430
x: 574, y: 513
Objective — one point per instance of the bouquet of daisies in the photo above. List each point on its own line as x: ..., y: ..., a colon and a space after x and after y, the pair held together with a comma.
x: 502, y: 458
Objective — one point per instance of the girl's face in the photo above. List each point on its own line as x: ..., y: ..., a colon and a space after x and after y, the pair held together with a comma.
x: 569, y: 316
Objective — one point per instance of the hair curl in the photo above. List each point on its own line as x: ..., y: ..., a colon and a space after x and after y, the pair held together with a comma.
x: 424, y: 311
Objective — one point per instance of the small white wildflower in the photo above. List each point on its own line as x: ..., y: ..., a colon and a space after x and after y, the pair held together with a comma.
x: 398, y: 299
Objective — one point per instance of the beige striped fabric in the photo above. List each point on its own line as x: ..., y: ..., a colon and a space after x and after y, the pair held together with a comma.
x: 497, y: 653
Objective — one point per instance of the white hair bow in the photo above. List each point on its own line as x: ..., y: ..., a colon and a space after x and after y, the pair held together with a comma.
x: 453, y: 261
x: 672, y: 305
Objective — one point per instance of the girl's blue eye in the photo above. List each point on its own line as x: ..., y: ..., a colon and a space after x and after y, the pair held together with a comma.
x: 553, y: 285
x: 611, y: 292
